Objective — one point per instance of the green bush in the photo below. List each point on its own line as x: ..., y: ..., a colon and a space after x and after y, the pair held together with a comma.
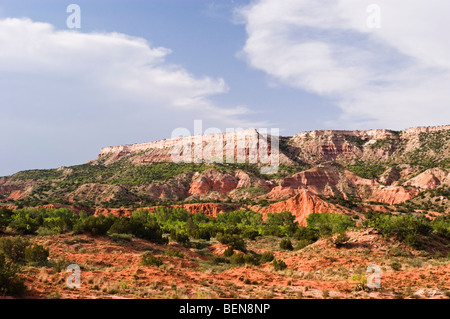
x: 286, y: 244
x: 173, y: 253
x: 120, y: 237
x: 307, y: 233
x: 396, y: 266
x: 14, y: 249
x: 150, y: 260
x: 303, y: 243
x: 95, y: 225
x: 406, y: 227
x: 10, y: 285
x: 228, y: 252
x: 180, y: 237
x: 266, y: 257
x: 233, y: 241
x: 237, y: 259
x: 341, y: 240
x: 328, y: 224
x: 278, y: 264
x: 5, y: 217
x: 36, y: 255
x: 249, y: 259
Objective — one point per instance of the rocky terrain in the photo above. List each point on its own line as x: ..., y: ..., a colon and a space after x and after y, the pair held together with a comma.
x: 354, y: 174
x: 338, y: 171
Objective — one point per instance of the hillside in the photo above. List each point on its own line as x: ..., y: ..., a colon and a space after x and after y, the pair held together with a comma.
x: 356, y: 170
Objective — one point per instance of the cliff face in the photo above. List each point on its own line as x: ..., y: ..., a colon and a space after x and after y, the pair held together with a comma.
x: 391, y: 167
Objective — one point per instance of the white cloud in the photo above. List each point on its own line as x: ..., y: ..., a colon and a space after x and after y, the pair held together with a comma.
x: 395, y: 76
x: 109, y: 65
x: 68, y: 93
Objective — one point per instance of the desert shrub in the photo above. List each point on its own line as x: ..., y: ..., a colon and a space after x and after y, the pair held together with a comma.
x: 201, y: 233
x: 120, y: 237
x: 286, y: 244
x: 219, y: 260
x: 36, y: 255
x: 240, y: 218
x: 149, y: 260
x: 233, y: 241
x: 146, y: 230
x: 173, y: 253
x: 14, y: 249
x: 237, y: 259
x: 406, y: 228
x: 281, y: 224
x: 396, y: 265
x: 249, y: 259
x: 180, y: 237
x: 59, y: 225
x: 266, y: 257
x: 94, y: 225
x: 10, y: 285
x: 5, y: 217
x: 228, y: 252
x: 278, y: 264
x: 328, y: 224
x: 441, y: 226
x: 303, y: 243
x: 341, y: 239
x: 250, y: 233
x: 307, y: 233
x: 26, y: 221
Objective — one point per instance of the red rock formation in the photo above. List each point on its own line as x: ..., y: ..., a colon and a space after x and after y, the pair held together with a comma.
x: 393, y: 195
x: 301, y: 206
x: 430, y: 179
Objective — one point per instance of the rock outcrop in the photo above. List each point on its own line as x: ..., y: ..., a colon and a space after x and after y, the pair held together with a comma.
x: 301, y: 206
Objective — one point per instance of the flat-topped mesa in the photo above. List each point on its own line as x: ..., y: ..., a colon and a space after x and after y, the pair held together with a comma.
x: 248, y: 144
x: 425, y: 129
x: 368, y: 134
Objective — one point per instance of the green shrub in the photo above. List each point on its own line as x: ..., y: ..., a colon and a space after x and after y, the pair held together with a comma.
x: 286, y: 244
x: 10, y: 285
x: 14, y: 249
x: 5, y: 217
x: 120, y: 237
x: 328, y: 224
x: 173, y: 253
x: 228, y: 252
x: 237, y: 259
x: 396, y: 265
x: 307, y: 233
x: 150, y: 260
x: 180, y: 237
x: 233, y: 241
x: 266, y: 257
x: 303, y: 243
x: 36, y: 255
x: 142, y: 229
x: 95, y: 225
x: 249, y: 259
x: 278, y: 264
x: 341, y: 240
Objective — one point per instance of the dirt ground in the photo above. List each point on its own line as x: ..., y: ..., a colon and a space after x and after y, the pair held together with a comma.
x: 111, y: 269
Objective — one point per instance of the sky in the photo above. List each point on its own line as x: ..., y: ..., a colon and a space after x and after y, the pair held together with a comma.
x: 137, y: 70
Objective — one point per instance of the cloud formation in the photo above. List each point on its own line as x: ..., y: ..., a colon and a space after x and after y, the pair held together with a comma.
x: 392, y: 77
x: 64, y: 92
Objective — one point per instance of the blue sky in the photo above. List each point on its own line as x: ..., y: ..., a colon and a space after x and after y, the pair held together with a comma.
x: 137, y: 70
